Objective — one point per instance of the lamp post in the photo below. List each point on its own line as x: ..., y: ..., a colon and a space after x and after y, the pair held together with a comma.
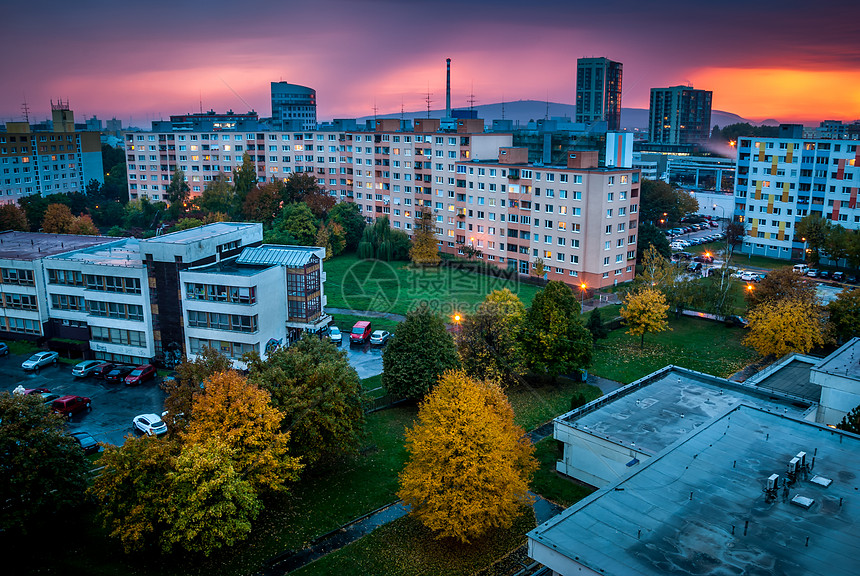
x: 582, y: 288
x: 457, y: 319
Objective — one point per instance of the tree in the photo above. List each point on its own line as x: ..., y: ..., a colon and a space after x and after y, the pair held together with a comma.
x: 13, y: 218
x: 331, y: 236
x: 319, y: 201
x: 131, y: 491
x: 813, y: 230
x: 42, y: 470
x: 239, y: 413
x: 779, y: 327
x: 554, y: 339
x: 58, y: 219
x: 851, y: 421
x: 836, y: 244
x: 183, y: 390
x: 84, y: 226
x: 319, y: 393
x: 735, y: 233
x: 34, y: 206
x: 209, y: 504
x: 177, y: 193
x: 347, y: 215
x: 298, y: 186
x: 781, y: 284
x: 658, y: 198
x: 298, y: 221
x: 186, y: 224
x: 425, y: 249
x: 420, y: 351
x: 538, y: 268
x: 489, y: 340
x: 469, y: 465
x: 142, y: 214
x: 244, y: 179
x: 115, y: 187
x: 263, y: 203
x: 650, y: 235
x: 401, y: 244
x: 644, y: 311
x: 657, y: 271
x: 595, y: 325
x: 845, y: 314
x: 218, y: 196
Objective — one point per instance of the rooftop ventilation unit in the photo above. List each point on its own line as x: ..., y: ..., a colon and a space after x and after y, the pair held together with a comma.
x: 773, y: 482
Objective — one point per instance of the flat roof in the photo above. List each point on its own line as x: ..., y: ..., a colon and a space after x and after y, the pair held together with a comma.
x: 652, y: 413
x: 123, y: 252
x: 200, y: 233
x: 845, y: 361
x: 699, y: 507
x: 228, y: 267
x: 34, y: 245
x: 790, y: 377
x: 275, y: 254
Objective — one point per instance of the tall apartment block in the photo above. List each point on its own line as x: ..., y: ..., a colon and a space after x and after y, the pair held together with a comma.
x: 679, y: 115
x: 294, y: 107
x: 48, y: 158
x: 781, y: 180
x: 133, y: 300
x: 598, y: 91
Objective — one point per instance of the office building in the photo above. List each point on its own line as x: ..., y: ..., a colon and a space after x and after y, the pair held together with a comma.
x: 294, y: 107
x: 598, y: 92
x: 781, y: 180
x: 48, y: 158
x: 679, y: 115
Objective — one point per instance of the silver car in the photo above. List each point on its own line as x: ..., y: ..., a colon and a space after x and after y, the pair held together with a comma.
x: 150, y: 424
x: 40, y: 359
x: 85, y: 368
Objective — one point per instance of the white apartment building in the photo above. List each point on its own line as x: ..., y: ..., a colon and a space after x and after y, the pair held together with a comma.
x: 781, y: 180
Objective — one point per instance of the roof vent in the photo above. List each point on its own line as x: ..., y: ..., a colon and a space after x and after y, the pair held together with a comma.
x: 821, y: 481
x: 802, y: 501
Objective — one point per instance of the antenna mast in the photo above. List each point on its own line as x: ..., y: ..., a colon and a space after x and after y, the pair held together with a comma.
x: 25, y: 108
x: 427, y: 99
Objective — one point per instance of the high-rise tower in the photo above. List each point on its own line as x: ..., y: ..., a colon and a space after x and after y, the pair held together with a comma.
x: 598, y: 91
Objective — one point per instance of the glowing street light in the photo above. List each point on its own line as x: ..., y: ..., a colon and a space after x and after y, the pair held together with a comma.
x: 582, y: 288
x: 457, y: 318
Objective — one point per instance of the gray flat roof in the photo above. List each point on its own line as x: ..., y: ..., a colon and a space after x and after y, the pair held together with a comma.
x: 229, y: 267
x: 200, y: 233
x: 274, y: 254
x: 34, y: 245
x: 654, y: 412
x: 123, y: 252
x: 686, y: 510
x: 791, y: 378
x: 845, y: 361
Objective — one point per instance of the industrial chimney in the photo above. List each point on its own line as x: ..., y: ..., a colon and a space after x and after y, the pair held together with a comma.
x: 448, y: 90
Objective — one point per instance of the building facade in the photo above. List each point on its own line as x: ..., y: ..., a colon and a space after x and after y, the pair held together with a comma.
x: 679, y: 115
x: 49, y: 158
x: 294, y: 107
x: 781, y: 180
x: 598, y: 91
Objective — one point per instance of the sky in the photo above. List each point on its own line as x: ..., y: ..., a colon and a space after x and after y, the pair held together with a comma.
x: 141, y: 61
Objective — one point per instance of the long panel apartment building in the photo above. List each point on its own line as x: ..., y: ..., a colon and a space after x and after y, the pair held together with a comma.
x: 781, y: 180
x: 131, y: 300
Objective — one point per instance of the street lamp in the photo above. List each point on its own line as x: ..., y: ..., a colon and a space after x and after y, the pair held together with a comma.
x: 582, y: 288
x: 457, y: 319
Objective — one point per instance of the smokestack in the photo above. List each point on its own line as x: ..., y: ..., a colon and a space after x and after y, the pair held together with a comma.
x: 448, y: 90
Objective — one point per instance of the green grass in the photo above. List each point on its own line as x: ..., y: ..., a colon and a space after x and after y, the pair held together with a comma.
x: 405, y: 547
x: 549, y: 483
x: 536, y: 403
x: 702, y: 345
x: 741, y: 260
x: 22, y: 347
x: 371, y: 383
x: 397, y: 287
x: 346, y: 321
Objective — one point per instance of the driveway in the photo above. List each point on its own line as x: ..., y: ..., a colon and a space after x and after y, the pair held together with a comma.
x: 366, y: 359
x: 113, y: 405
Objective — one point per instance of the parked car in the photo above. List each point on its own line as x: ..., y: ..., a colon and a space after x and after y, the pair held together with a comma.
x: 694, y: 267
x: 334, y: 334
x: 704, y: 258
x: 838, y: 276
x: 715, y: 224
x: 102, y: 369
x: 360, y: 332
x: 118, y: 374
x: 801, y: 268
x: 170, y: 377
x: 70, y: 405
x: 812, y: 272
x: 4, y: 349
x: 851, y: 279
x: 738, y: 321
x: 28, y: 391
x: 748, y: 276
x: 379, y: 337
x: 48, y: 397
x: 85, y: 368
x: 149, y: 424
x: 140, y: 375
x: 87, y: 443
x: 40, y: 359
x: 825, y: 274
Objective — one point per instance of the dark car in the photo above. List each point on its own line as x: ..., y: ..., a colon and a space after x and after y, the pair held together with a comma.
x: 838, y: 276
x: 140, y: 375
x: 101, y: 370
x: 738, y: 321
x: 851, y: 279
x: 118, y: 374
x: 87, y: 443
x: 70, y: 405
x: 824, y: 274
x: 4, y: 349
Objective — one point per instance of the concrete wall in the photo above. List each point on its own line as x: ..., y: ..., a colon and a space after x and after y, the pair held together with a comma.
x: 593, y: 460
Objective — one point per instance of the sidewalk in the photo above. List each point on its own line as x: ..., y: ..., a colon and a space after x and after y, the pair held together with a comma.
x: 368, y: 313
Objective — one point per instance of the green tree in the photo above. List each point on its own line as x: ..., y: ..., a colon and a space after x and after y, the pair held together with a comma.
x: 184, y: 389
x: 845, y: 314
x: 595, y: 325
x: 401, y: 244
x: 851, y: 422
x: 554, y: 339
x: 319, y: 393
x: 489, y: 340
x: 298, y: 186
x: 658, y: 198
x: 298, y: 221
x: 41, y: 469
x: 650, y: 235
x: 13, y: 218
x: 735, y: 233
x: 34, y: 206
x: 263, y: 203
x: 115, y: 188
x: 779, y: 327
x: 177, y: 193
x: 244, y: 179
x: 186, y: 224
x: 348, y: 215
x: 644, y: 311
x: 425, y: 247
x: 420, y: 351
x: 781, y: 284
x: 218, y: 196
x: 469, y: 465
x: 836, y: 244
x: 813, y: 230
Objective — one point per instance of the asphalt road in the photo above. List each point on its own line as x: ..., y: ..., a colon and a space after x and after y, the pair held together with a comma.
x: 113, y: 405
x: 366, y: 359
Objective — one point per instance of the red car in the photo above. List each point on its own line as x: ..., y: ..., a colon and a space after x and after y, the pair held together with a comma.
x: 101, y: 370
x: 69, y: 405
x: 140, y: 375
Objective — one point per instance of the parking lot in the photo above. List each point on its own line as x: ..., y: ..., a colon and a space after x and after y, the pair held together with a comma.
x: 113, y: 405
x: 366, y: 359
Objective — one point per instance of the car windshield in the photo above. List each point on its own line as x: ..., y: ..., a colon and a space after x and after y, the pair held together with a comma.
x: 358, y: 330
x: 136, y: 372
x: 334, y: 330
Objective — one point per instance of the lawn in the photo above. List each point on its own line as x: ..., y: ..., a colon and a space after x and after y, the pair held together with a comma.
x: 740, y: 260
x: 703, y: 345
x: 549, y: 483
x: 536, y: 403
x: 397, y: 287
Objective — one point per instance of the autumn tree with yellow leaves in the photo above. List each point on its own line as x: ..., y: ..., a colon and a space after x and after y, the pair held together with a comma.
x: 779, y: 327
x: 425, y: 250
x: 469, y: 464
x: 644, y: 312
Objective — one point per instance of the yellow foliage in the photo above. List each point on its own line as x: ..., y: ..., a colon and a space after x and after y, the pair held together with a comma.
x: 424, y: 250
x: 240, y: 415
x: 469, y: 464
x: 780, y: 327
x: 644, y: 311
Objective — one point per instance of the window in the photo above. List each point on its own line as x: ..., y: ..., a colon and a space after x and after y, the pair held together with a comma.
x: 117, y: 336
x: 64, y: 302
x: 222, y: 321
x: 65, y: 277
x: 112, y: 284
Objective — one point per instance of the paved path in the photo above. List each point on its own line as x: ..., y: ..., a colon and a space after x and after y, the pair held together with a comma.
x: 368, y: 313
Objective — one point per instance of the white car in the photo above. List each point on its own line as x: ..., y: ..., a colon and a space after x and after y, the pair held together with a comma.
x: 40, y: 359
x: 334, y: 334
x: 85, y: 368
x: 150, y: 424
x: 749, y: 276
x: 379, y: 337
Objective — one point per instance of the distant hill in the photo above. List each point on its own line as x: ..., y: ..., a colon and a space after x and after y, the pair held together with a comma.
x: 522, y: 111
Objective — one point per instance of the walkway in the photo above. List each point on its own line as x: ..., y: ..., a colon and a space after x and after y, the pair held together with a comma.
x: 368, y: 313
